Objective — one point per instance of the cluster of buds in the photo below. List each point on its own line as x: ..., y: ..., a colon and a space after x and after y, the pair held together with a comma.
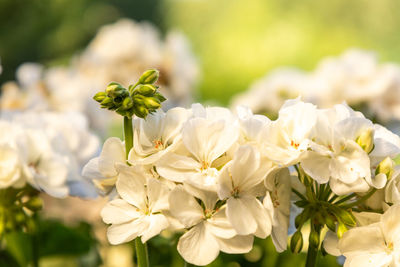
x: 17, y: 208
x: 139, y: 99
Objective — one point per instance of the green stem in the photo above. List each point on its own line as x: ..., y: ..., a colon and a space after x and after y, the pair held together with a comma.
x: 141, y: 249
x: 141, y: 253
x: 312, y: 254
x: 360, y: 201
x: 128, y: 135
x: 345, y: 199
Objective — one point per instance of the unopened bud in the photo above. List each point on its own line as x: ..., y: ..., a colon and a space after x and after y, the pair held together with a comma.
x: 116, y: 90
x: 366, y: 140
x: 100, y: 96
x: 160, y: 97
x: 34, y: 203
x: 141, y: 111
x: 313, y: 239
x: 386, y: 167
x: 341, y: 230
x: 344, y: 216
x: 330, y: 222
x: 127, y: 103
x: 138, y: 100
x: 152, y: 103
x: 149, y: 77
x: 146, y: 89
x: 107, y: 102
x: 296, y: 242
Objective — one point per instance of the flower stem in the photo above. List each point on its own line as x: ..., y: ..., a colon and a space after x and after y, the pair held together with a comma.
x: 141, y: 253
x: 312, y: 254
x: 141, y: 249
x: 360, y: 201
x: 128, y: 135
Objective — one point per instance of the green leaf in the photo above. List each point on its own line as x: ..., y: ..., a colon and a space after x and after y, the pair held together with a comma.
x: 19, y: 245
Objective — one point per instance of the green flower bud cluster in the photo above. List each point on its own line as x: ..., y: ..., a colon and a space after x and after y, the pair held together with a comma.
x: 17, y: 207
x: 139, y: 99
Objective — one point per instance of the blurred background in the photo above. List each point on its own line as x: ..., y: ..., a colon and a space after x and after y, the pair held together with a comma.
x: 233, y: 42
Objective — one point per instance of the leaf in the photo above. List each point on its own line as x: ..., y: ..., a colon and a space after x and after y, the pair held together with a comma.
x: 19, y: 245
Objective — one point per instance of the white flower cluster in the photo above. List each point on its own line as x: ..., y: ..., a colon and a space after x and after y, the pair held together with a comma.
x: 47, y: 151
x: 72, y: 87
x: 355, y: 77
x: 225, y: 178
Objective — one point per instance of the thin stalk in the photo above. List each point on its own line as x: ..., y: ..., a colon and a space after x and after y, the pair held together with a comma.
x: 128, y: 135
x: 360, y: 201
x: 141, y: 253
x: 141, y: 249
x: 312, y: 254
x: 345, y: 199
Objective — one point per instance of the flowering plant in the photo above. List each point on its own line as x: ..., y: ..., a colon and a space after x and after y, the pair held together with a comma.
x: 222, y: 178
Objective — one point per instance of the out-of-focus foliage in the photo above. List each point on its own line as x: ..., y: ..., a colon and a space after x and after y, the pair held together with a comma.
x: 46, y: 31
x: 239, y: 41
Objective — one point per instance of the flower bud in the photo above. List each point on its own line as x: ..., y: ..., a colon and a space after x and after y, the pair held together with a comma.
x: 127, y: 103
x: 160, y: 97
x: 386, y: 167
x: 138, y: 100
x: 296, y: 242
x: 313, y: 239
x: 330, y: 222
x: 146, y: 89
x: 341, y: 229
x: 152, y: 103
x: 34, y: 203
x: 116, y: 90
x: 366, y: 140
x: 100, y: 96
x: 141, y: 111
x: 344, y: 216
x: 149, y: 77
x: 107, y: 102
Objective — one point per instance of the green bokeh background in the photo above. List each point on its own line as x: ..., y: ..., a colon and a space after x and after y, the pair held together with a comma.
x: 236, y: 41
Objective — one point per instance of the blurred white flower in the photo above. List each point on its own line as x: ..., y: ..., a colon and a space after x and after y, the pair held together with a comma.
x: 103, y: 170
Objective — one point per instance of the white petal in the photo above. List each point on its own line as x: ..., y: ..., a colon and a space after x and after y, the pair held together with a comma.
x: 391, y: 225
x: 91, y: 170
x: 198, y: 246
x: 184, y: 207
x: 239, y: 214
x: 372, y: 240
x: 245, y: 163
x: 219, y: 225
x: 331, y: 244
x: 119, y: 211
x: 317, y: 166
x: 158, y: 222
x: 157, y: 194
x: 113, y: 152
x: 177, y: 168
x: 236, y: 245
x: 368, y: 260
x: 121, y: 233
x: 131, y: 186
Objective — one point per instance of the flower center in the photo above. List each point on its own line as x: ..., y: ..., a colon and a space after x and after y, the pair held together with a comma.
x: 294, y: 144
x: 204, y: 165
x: 158, y: 144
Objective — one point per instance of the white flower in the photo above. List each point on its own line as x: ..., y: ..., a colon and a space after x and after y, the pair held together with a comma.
x: 392, y: 190
x: 277, y: 201
x: 10, y: 166
x: 210, y: 230
x: 239, y: 184
x: 139, y: 211
x: 335, y: 157
x: 253, y: 128
x: 379, y: 245
x: 102, y: 170
x: 157, y: 135
x: 206, y: 138
x: 289, y: 134
x: 42, y: 168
